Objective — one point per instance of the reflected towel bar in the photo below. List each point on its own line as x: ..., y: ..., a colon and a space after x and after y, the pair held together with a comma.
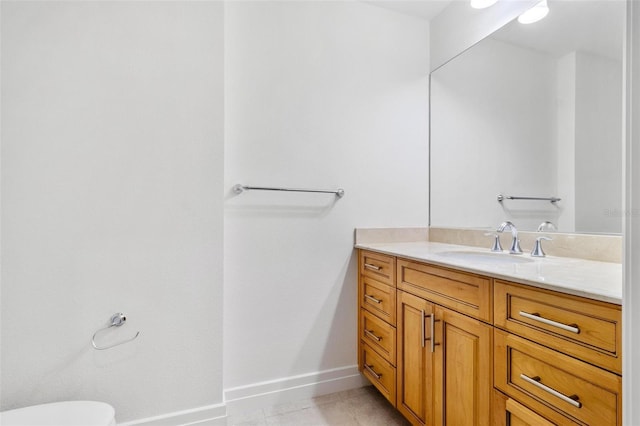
x: 511, y: 197
x: 239, y: 189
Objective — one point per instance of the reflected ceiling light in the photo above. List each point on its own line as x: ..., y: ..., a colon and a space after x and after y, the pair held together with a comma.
x: 534, y: 14
x: 481, y: 4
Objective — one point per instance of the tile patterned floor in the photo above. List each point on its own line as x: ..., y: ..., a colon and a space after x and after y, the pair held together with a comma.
x: 356, y: 407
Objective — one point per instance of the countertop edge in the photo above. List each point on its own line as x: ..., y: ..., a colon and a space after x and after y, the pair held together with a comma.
x: 376, y: 247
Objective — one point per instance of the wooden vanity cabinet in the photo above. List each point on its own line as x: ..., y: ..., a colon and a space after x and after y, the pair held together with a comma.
x: 444, y: 362
x: 448, y: 347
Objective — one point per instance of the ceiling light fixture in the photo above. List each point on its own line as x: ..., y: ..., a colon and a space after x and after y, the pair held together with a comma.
x: 481, y: 4
x: 534, y: 14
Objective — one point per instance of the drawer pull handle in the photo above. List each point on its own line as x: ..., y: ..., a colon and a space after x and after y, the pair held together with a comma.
x: 370, y: 370
x: 373, y: 299
x: 373, y: 336
x: 424, y: 336
x: 536, y: 317
x: 374, y: 267
x: 536, y: 381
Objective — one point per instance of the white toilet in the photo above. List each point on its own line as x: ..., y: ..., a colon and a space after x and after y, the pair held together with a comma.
x: 66, y: 413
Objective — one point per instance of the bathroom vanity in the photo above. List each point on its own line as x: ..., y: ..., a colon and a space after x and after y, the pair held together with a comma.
x: 458, y: 335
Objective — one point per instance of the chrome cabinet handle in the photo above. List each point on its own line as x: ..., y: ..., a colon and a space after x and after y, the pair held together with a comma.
x: 536, y: 317
x: 433, y: 332
x: 432, y: 327
x: 424, y: 336
x: 536, y: 381
x: 370, y: 370
x: 373, y: 299
x: 373, y: 336
x: 370, y: 266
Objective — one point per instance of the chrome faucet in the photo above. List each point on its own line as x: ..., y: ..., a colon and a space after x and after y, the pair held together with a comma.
x: 547, y: 226
x: 515, y: 242
x: 537, y: 248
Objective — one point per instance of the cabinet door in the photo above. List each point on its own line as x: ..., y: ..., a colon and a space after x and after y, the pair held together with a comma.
x: 463, y: 373
x: 414, y: 359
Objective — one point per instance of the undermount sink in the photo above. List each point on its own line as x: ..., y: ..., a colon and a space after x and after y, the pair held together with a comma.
x: 486, y: 257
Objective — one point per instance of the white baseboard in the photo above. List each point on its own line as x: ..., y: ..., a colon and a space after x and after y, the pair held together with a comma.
x: 291, y: 389
x: 211, y: 415
x: 261, y: 395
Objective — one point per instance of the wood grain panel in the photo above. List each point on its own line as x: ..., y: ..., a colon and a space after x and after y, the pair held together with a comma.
x: 598, y: 391
x: 599, y: 323
x: 463, y: 374
x: 380, y: 267
x: 467, y: 293
x: 379, y: 372
x: 415, y: 361
x: 378, y: 335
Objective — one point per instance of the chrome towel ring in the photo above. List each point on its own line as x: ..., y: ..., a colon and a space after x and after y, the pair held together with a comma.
x: 116, y: 320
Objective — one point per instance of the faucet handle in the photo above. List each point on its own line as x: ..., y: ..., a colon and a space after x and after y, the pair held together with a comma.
x: 537, y: 248
x: 497, y: 247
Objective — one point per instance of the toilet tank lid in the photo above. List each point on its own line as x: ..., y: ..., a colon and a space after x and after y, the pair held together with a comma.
x: 68, y: 413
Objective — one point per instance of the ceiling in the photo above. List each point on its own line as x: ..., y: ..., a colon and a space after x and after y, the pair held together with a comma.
x: 595, y: 27
x: 425, y: 9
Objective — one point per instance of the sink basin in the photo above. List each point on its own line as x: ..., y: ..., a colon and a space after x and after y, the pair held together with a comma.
x: 486, y: 257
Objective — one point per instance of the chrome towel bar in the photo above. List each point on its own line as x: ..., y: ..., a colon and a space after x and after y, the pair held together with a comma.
x: 239, y: 189
x: 511, y: 197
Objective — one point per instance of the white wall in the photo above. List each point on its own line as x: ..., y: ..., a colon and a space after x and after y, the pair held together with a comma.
x: 566, y: 139
x: 493, y: 132
x: 598, y: 150
x: 319, y: 95
x: 589, y: 152
x: 112, y: 156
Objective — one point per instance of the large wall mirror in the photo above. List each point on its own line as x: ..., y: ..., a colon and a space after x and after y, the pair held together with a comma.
x: 533, y: 111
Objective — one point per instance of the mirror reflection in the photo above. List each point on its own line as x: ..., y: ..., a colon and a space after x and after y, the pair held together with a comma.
x: 533, y: 111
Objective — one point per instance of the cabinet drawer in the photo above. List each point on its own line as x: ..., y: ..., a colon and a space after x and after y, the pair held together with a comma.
x: 580, y: 327
x: 553, y: 383
x: 466, y: 293
x: 509, y: 412
x: 378, y: 266
x: 378, y: 298
x: 519, y: 415
x: 378, y: 335
x: 379, y: 372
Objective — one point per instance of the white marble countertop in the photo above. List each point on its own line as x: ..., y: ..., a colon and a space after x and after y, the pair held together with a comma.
x: 595, y: 280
